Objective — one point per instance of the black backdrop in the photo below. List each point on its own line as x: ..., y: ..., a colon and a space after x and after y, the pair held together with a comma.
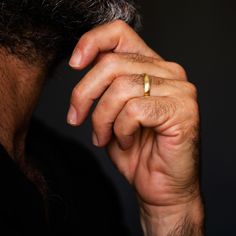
x: 201, y: 36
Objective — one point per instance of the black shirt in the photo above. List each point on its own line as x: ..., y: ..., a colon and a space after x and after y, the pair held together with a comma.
x: 80, y: 200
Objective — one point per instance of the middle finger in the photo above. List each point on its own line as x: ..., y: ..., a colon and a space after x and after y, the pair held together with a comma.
x: 111, y: 66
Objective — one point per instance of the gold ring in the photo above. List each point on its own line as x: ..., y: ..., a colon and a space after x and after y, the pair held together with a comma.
x: 147, y: 85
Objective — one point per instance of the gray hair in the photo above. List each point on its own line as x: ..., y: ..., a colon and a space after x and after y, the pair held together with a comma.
x: 49, y: 29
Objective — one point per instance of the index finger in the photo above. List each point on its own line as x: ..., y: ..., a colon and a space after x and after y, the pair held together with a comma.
x: 116, y: 36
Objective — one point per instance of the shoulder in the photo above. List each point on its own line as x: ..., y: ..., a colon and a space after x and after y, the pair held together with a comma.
x: 78, y: 177
x: 20, y: 202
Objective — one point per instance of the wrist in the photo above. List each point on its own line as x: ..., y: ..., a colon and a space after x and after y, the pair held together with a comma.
x: 179, y: 220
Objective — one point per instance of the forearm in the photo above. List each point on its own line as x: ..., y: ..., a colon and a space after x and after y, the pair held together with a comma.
x: 182, y: 220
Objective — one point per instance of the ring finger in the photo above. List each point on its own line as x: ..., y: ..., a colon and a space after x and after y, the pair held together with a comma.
x: 118, y: 94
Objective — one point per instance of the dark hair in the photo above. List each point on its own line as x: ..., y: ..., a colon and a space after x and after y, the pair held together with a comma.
x: 47, y: 30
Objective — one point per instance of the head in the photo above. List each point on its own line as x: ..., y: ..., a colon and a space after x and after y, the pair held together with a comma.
x: 34, y: 36
x: 45, y: 31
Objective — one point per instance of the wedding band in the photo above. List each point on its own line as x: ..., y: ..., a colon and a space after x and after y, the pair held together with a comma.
x: 147, y: 85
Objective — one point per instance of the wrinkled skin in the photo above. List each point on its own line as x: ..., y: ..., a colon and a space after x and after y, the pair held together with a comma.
x: 152, y: 140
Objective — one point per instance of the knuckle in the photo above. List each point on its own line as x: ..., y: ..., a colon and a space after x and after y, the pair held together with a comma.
x: 76, y: 93
x: 117, y: 129
x: 124, y: 87
x: 188, y: 128
x: 120, y: 25
x: 191, y: 88
x: 109, y: 59
x: 118, y: 86
x: 103, y: 105
x: 88, y: 38
x: 191, y: 111
x: 194, y: 108
x: 178, y: 70
x: 131, y: 109
x: 95, y: 119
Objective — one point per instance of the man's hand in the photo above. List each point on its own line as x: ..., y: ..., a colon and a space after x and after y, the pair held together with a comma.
x: 152, y: 140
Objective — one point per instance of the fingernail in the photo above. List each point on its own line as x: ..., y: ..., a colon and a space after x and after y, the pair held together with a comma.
x: 75, y: 59
x: 72, y: 115
x: 95, y: 139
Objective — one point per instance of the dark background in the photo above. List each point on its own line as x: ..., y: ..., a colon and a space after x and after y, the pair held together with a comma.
x: 201, y: 36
